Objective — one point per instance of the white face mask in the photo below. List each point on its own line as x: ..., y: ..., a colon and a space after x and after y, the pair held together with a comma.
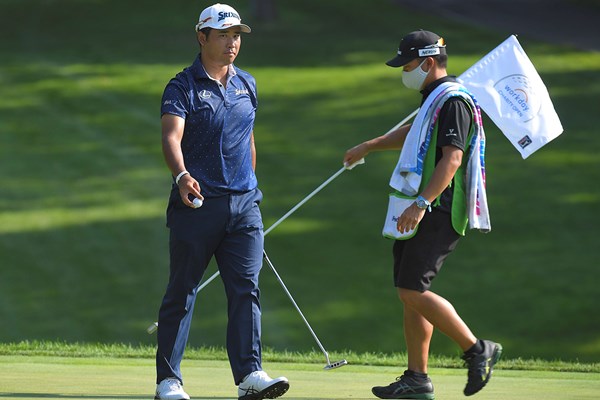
x: 415, y: 78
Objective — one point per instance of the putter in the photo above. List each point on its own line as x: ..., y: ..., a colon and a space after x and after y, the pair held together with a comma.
x: 329, y: 365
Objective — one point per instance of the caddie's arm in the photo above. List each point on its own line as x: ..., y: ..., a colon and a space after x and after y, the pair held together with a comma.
x: 172, y: 133
x: 442, y: 176
x: 390, y: 141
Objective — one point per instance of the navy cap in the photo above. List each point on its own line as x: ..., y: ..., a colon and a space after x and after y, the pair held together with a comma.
x: 418, y: 44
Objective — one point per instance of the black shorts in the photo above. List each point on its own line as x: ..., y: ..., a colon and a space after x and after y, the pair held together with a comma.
x: 419, y: 259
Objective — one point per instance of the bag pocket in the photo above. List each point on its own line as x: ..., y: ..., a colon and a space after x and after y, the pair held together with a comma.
x: 398, y: 202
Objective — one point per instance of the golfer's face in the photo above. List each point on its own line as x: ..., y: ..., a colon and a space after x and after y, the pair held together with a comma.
x: 222, y: 46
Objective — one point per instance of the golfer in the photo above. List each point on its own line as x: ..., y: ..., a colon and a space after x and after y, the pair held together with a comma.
x: 208, y: 113
x: 443, y: 151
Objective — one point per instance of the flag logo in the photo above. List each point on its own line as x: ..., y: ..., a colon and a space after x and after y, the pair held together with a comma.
x: 525, y: 141
x: 519, y: 97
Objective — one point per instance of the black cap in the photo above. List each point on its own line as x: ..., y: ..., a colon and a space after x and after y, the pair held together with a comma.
x: 418, y: 44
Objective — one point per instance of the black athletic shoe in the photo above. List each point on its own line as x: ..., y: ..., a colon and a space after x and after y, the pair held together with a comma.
x: 481, y: 366
x: 406, y: 387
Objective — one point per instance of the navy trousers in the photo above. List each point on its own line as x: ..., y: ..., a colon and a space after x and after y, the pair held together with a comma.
x: 230, y: 229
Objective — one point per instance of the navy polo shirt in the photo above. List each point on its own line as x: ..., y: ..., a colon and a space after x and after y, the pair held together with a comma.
x: 218, y: 127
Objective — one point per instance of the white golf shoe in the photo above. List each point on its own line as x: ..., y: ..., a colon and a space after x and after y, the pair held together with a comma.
x: 258, y: 385
x: 170, y: 389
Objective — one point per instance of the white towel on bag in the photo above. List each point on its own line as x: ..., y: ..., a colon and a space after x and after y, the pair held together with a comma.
x: 408, y: 172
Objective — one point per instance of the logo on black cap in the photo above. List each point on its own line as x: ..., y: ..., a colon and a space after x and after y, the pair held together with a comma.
x: 418, y: 44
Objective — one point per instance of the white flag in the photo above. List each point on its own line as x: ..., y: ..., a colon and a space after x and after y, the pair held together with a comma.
x: 511, y: 92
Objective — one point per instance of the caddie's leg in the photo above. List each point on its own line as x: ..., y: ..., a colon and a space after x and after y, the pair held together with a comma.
x: 441, y: 314
x: 417, y: 334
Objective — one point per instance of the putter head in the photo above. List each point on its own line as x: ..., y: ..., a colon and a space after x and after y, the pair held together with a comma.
x: 335, y: 365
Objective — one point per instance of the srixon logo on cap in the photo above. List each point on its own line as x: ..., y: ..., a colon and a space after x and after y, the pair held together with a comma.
x: 223, y: 15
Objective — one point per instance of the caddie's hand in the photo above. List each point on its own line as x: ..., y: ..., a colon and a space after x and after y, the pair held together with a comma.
x: 355, y: 154
x: 410, y: 218
x: 188, y: 189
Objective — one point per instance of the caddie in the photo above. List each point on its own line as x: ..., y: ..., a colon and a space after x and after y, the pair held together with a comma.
x: 439, y: 191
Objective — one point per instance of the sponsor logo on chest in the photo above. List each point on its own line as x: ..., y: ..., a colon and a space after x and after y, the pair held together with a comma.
x: 204, y: 94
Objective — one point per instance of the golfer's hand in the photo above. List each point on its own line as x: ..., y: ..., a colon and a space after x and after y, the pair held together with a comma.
x: 410, y: 218
x: 188, y: 186
x: 355, y: 154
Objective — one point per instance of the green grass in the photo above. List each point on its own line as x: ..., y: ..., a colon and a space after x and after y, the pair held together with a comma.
x: 117, y: 350
x: 35, y: 377
x: 83, y: 248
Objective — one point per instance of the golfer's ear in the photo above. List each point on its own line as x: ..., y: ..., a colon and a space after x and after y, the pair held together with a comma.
x: 201, y: 38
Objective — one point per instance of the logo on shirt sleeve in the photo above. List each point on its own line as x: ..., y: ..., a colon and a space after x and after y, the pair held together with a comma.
x: 451, y: 132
